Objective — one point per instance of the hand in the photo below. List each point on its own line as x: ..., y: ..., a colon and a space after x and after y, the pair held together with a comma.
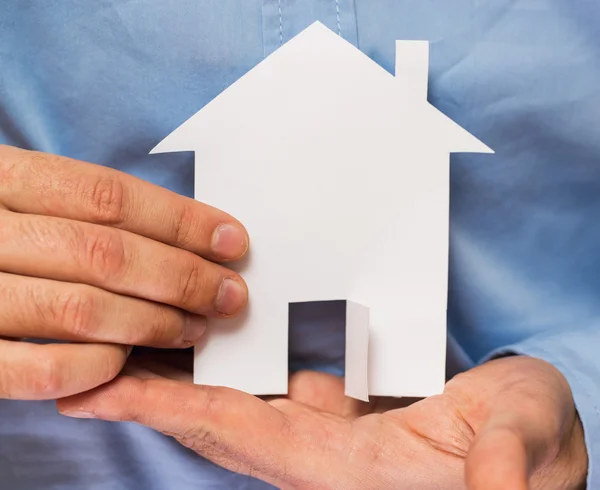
x: 94, y: 256
x: 508, y: 424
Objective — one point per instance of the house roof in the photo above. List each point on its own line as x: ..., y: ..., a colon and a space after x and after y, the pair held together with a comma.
x: 319, y: 57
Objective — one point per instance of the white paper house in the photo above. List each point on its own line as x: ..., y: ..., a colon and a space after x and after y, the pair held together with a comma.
x: 340, y: 172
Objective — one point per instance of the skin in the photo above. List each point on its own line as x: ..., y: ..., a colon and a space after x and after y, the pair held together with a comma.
x: 508, y: 424
x: 102, y: 260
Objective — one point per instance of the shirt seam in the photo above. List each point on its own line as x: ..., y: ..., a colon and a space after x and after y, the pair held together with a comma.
x: 280, y: 23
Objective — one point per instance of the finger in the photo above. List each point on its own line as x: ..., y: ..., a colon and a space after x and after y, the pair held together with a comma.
x: 324, y: 392
x: 497, y: 460
x: 157, y: 367
x: 387, y: 404
x: 42, y: 308
x: 117, y: 261
x: 180, y: 360
x: 39, y: 183
x: 231, y: 428
x: 45, y: 372
x: 132, y: 369
x: 531, y: 416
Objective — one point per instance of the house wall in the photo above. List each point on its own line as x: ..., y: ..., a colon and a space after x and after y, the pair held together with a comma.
x: 343, y: 188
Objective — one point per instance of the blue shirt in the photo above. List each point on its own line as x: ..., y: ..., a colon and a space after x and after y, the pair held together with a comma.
x: 106, y: 80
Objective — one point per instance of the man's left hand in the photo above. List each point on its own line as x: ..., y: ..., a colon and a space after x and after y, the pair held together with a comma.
x: 508, y: 424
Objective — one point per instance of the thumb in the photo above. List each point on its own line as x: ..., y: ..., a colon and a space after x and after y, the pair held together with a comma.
x: 498, y: 459
x: 231, y: 428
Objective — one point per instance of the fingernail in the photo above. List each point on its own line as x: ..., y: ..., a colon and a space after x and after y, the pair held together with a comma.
x: 231, y: 297
x: 78, y: 414
x: 195, y: 326
x: 229, y: 241
x: 129, y: 349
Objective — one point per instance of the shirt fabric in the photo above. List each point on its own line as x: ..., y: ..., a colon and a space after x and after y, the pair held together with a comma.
x: 104, y: 81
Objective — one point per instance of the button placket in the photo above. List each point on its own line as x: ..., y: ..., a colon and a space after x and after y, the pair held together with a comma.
x: 283, y: 19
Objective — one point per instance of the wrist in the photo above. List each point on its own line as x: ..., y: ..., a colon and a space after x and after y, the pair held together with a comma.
x: 578, y: 457
x: 570, y: 468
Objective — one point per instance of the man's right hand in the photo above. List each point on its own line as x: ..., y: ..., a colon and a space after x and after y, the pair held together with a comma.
x: 102, y: 260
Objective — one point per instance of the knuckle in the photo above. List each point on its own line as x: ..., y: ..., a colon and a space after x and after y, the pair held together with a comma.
x: 155, y: 332
x: 103, y: 253
x: 191, y: 284
x: 74, y: 311
x: 200, y: 437
x: 182, y: 226
x: 105, y: 199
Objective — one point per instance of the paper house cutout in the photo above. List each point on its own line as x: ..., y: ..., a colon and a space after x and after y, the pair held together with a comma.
x: 340, y: 172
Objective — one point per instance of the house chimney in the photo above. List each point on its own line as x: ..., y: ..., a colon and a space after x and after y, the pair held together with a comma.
x: 412, y: 68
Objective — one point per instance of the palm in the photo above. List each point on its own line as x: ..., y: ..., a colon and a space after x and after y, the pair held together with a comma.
x: 379, y: 437
x: 518, y: 411
x: 427, y: 440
